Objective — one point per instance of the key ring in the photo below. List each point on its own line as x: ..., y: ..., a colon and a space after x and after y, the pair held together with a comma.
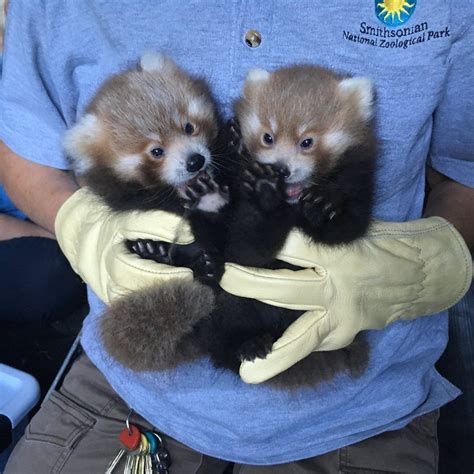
x: 127, y: 421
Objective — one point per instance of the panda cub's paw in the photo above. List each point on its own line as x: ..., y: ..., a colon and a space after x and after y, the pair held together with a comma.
x: 263, y: 185
x: 320, y: 208
x: 206, y: 195
x: 256, y: 347
x: 151, y: 250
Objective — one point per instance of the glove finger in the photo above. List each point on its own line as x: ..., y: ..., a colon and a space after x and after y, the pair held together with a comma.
x: 298, y: 341
x: 155, y: 225
x: 301, y: 251
x: 129, y: 272
x: 297, y: 290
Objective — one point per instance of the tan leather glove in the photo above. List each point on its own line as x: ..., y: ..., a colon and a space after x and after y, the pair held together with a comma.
x: 92, y: 238
x: 398, y: 271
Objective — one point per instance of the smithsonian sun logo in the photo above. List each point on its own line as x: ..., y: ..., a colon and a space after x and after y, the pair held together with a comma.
x: 394, y: 12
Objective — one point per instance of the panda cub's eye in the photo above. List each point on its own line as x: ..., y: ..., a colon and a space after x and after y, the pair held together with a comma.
x: 267, y: 138
x: 189, y: 128
x: 306, y: 143
x: 157, y: 152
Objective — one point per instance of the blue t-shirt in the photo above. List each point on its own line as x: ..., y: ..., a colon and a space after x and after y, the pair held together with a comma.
x: 6, y: 204
x: 57, y: 53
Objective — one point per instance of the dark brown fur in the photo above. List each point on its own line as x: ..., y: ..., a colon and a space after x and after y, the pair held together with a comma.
x: 151, y: 329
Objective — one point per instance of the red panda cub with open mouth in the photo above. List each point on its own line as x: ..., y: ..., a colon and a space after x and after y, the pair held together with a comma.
x: 145, y: 137
x: 308, y: 135
x: 316, y: 127
x: 144, y: 143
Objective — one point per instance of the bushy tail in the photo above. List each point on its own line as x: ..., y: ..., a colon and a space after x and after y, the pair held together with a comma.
x: 152, y: 329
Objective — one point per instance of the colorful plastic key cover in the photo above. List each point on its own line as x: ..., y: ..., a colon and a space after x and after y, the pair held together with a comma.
x: 152, y: 440
x: 130, y: 438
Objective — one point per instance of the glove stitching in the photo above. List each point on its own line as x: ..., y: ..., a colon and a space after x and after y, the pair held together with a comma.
x: 272, y: 276
x: 295, y: 306
x: 388, y: 232
x: 411, y: 309
x: 467, y: 263
x: 140, y: 233
x: 301, y: 335
x: 184, y: 271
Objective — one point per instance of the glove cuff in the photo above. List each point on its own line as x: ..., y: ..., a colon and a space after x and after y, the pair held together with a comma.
x: 444, y: 258
x: 70, y: 217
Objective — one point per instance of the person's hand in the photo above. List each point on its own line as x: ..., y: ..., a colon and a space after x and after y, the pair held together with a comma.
x: 398, y: 271
x: 93, y: 237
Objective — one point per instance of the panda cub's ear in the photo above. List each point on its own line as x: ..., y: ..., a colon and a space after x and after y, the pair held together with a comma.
x: 255, y: 79
x: 257, y: 76
x: 79, y: 140
x: 360, y: 89
x: 152, y: 61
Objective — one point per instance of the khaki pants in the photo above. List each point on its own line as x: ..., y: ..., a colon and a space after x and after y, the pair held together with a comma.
x: 76, y: 431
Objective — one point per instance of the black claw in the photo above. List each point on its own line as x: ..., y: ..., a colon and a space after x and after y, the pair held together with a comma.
x: 163, y: 251
x: 213, y: 186
x: 248, y: 175
x: 203, y: 184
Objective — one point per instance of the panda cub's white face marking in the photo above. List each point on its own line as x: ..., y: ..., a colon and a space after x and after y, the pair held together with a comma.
x: 76, y: 139
x: 178, y: 165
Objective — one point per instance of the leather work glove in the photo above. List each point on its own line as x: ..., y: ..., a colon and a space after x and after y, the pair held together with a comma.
x: 399, y: 271
x: 92, y: 238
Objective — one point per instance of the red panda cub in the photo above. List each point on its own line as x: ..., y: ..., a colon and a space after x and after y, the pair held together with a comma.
x: 316, y: 127
x: 307, y: 136
x: 144, y: 143
x: 145, y: 136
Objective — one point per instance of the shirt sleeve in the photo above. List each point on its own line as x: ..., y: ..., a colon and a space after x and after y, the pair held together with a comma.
x: 31, y: 123
x: 452, y: 145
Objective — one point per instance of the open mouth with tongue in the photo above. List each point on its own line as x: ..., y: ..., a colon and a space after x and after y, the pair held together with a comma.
x: 293, y: 192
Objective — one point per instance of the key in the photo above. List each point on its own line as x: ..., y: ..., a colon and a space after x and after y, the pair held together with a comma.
x: 128, y: 465
x: 152, y: 446
x: 130, y: 439
x: 115, y: 461
x: 141, y: 457
x: 149, y: 465
x: 162, y: 459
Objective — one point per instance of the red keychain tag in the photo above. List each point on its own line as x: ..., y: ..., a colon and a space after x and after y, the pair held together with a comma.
x: 130, y: 438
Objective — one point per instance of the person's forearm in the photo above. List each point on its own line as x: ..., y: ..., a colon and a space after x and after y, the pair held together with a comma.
x: 12, y: 228
x: 39, y: 191
x: 454, y: 202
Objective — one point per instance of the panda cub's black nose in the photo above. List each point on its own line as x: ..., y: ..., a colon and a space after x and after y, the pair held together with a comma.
x: 195, y: 162
x: 284, y: 172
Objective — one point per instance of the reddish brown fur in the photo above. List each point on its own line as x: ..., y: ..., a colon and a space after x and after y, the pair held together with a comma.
x: 300, y: 95
x: 136, y: 111
x: 135, y: 104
